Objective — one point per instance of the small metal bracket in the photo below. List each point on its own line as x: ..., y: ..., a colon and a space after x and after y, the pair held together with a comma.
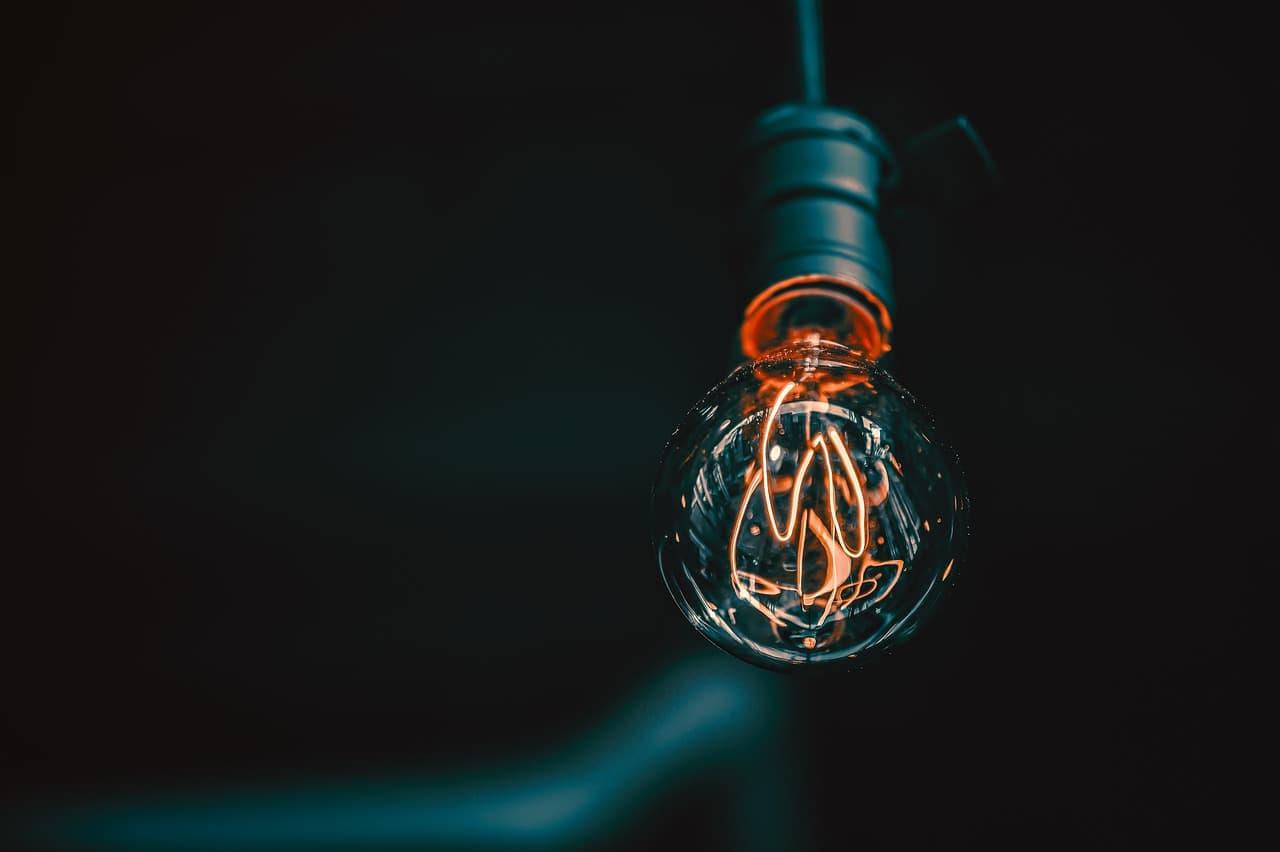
x: 948, y: 166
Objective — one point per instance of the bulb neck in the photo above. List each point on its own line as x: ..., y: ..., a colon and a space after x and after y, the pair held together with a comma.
x: 818, y: 264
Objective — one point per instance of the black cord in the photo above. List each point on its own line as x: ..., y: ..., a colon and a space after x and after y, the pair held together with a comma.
x: 809, y: 51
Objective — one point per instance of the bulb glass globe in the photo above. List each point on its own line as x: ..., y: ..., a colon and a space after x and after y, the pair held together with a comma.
x: 806, y: 511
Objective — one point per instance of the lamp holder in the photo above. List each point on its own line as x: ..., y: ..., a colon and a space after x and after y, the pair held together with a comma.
x: 818, y: 259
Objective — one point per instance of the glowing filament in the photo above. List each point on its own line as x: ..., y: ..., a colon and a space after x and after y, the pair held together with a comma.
x: 846, y: 579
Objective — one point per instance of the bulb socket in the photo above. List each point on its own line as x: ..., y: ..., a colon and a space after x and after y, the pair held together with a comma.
x: 819, y: 264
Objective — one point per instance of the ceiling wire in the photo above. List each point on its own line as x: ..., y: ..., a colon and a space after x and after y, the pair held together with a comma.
x: 813, y: 89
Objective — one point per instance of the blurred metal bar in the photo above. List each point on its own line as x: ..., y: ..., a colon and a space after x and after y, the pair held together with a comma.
x: 709, y: 722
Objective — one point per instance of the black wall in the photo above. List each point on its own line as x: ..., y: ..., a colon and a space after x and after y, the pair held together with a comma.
x: 315, y: 305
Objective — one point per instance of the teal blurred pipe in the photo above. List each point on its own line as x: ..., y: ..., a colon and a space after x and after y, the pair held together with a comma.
x: 708, y: 719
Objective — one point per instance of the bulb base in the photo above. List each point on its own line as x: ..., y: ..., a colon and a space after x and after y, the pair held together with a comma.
x: 820, y: 264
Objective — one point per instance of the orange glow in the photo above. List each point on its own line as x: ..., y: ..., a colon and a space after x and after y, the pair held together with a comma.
x: 844, y: 579
x: 865, y: 325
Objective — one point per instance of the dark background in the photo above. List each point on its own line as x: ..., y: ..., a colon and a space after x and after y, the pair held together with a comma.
x: 347, y: 337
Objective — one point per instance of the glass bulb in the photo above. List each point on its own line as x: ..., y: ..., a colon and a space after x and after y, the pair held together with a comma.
x: 806, y: 511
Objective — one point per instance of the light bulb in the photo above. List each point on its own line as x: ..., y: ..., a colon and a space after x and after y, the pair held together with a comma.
x: 806, y: 510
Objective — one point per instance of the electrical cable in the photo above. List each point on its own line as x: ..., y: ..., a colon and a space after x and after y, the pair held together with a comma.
x: 809, y: 51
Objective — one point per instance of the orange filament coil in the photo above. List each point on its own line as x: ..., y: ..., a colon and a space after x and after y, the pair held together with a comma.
x: 843, y: 583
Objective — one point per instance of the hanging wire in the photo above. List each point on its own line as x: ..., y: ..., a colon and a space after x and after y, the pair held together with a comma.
x: 809, y: 51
